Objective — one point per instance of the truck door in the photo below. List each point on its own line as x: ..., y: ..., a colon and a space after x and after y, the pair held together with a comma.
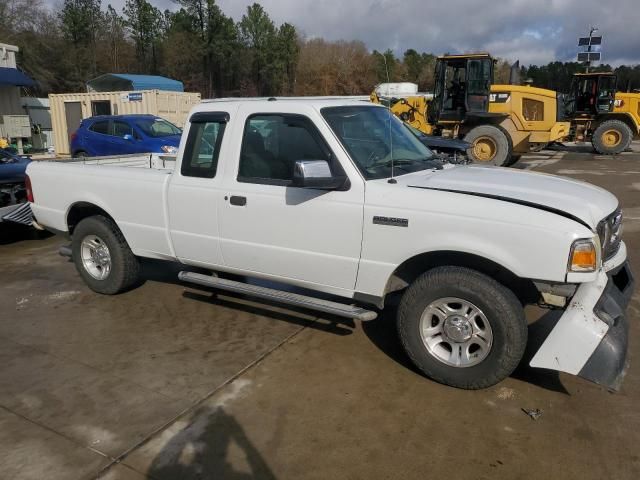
x: 274, y: 229
x: 479, y: 73
x: 606, y: 93
x: 195, y: 190
x: 123, y: 140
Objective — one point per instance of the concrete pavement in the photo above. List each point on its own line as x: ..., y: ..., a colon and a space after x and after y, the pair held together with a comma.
x: 166, y: 382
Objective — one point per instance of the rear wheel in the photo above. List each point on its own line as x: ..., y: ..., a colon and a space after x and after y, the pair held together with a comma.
x: 80, y: 154
x: 489, y: 145
x: 462, y: 328
x: 102, y: 257
x: 611, y: 137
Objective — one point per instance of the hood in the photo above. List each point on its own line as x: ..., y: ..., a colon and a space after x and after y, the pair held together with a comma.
x: 173, y: 140
x: 13, y: 170
x: 572, y: 198
x: 441, y: 143
x: 170, y: 140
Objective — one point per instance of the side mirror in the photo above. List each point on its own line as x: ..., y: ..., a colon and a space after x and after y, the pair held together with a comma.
x: 128, y: 137
x: 316, y: 174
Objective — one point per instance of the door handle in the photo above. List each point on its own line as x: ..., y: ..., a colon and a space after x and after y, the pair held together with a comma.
x: 238, y: 201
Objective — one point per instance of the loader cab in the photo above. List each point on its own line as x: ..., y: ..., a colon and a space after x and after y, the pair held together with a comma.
x: 462, y: 87
x: 592, y: 94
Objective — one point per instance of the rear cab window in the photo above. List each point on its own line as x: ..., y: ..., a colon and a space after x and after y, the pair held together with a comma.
x: 202, y: 149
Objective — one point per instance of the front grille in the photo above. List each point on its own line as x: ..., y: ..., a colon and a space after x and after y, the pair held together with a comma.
x: 610, y: 233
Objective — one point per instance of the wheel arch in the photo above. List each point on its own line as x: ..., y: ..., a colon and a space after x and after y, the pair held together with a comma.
x: 81, y: 210
x: 415, y: 266
x: 624, y: 117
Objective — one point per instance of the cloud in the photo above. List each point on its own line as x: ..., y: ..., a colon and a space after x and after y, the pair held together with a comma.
x: 533, y: 31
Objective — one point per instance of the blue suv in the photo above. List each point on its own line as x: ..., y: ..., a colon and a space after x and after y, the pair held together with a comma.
x: 124, y: 134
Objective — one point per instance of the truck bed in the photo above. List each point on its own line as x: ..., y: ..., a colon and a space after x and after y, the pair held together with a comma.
x: 138, y: 160
x: 131, y: 188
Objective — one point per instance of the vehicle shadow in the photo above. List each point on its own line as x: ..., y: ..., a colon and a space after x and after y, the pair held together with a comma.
x: 306, y: 318
x: 382, y: 333
x: 15, y: 232
x: 538, y: 332
x: 561, y: 147
x: 201, y: 451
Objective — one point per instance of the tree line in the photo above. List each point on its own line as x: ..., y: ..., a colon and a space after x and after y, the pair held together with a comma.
x: 213, y: 54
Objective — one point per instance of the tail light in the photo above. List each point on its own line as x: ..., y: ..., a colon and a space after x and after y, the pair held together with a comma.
x: 73, y: 136
x: 27, y: 185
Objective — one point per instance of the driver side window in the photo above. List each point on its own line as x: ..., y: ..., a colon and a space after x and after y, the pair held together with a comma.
x: 271, y: 145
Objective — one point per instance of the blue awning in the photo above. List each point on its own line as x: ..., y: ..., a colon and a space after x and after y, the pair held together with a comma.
x: 129, y: 82
x: 15, y: 78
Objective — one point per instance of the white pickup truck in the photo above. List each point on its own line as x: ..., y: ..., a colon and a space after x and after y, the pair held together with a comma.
x: 339, y: 197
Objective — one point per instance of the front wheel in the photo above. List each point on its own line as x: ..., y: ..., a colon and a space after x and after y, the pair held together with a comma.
x: 462, y: 328
x: 611, y: 137
x: 103, y: 257
x: 489, y: 145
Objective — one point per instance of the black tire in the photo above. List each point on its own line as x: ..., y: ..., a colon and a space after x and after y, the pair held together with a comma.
x: 494, y: 136
x: 124, y: 266
x: 611, y: 128
x: 501, y: 307
x: 513, y: 160
x: 80, y: 154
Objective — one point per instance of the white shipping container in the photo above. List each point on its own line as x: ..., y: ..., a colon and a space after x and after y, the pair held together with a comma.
x: 69, y: 109
x: 398, y: 89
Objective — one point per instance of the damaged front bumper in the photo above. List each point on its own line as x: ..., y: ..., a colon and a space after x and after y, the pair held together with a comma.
x: 590, y: 338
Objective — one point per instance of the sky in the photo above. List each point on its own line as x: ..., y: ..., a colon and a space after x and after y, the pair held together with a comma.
x: 532, y: 31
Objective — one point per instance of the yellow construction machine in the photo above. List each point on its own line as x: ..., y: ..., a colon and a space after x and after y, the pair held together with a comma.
x: 501, y: 122
x: 600, y: 114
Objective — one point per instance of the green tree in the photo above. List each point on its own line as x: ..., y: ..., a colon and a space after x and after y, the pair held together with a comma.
x: 144, y: 22
x: 80, y: 22
x: 288, y: 50
x: 386, y: 66
x: 114, y: 33
x: 215, y: 39
x: 258, y: 34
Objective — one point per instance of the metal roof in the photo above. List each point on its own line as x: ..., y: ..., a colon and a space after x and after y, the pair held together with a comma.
x: 14, y: 77
x: 125, y: 81
x: 593, y: 74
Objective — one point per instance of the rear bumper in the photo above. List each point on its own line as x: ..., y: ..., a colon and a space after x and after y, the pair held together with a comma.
x: 608, y: 364
x: 591, y: 337
x: 19, y: 213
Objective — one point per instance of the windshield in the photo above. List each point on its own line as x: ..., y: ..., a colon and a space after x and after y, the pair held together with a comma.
x: 6, y: 157
x: 374, y: 138
x: 157, y: 127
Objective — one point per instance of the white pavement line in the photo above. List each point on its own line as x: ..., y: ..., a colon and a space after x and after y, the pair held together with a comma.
x: 540, y: 163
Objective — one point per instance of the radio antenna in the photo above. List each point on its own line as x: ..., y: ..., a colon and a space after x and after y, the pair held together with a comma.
x: 388, y: 102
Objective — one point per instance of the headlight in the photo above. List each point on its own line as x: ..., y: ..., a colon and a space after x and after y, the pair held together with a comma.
x: 169, y: 149
x: 583, y: 256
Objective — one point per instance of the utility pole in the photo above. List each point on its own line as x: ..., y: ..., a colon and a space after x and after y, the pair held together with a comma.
x: 592, y: 30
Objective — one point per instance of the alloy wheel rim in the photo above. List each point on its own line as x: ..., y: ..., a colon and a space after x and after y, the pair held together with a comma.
x: 456, y: 332
x: 96, y: 258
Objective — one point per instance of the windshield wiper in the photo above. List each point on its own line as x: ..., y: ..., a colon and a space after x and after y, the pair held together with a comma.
x: 428, y: 162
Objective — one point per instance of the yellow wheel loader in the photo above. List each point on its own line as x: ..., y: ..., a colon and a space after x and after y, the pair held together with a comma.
x: 609, y: 119
x: 501, y: 122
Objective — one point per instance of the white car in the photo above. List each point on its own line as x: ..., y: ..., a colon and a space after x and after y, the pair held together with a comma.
x: 339, y: 197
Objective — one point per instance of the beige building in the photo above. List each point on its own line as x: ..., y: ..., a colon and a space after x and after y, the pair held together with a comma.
x: 13, y: 121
